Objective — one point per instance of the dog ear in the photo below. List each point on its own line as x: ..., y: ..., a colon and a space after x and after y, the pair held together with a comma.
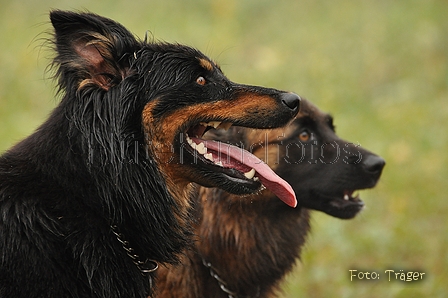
x: 91, y: 50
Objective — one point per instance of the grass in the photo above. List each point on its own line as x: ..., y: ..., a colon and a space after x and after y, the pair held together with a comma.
x: 380, y: 67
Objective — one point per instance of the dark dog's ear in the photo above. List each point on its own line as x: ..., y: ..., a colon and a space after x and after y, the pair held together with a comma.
x: 91, y: 50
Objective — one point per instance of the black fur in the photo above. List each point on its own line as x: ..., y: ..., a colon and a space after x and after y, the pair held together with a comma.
x: 59, y: 187
x: 322, y: 168
x: 90, y: 166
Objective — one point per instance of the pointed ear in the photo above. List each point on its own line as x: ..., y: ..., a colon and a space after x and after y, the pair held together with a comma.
x: 91, y: 50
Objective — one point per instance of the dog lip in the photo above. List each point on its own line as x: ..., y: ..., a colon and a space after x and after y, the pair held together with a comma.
x: 337, y: 205
x: 343, y: 195
x: 342, y: 203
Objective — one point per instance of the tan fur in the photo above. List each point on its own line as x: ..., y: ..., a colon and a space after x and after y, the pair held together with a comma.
x: 162, y: 133
x: 206, y: 64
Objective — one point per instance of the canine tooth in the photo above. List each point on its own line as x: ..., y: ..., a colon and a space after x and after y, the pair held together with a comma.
x: 224, y: 125
x: 215, y: 124
x: 250, y: 174
x: 346, y: 197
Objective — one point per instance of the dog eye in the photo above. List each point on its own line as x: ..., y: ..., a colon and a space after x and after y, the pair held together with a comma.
x: 201, y: 81
x: 304, y: 136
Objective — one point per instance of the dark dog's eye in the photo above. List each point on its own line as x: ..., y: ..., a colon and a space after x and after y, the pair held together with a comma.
x: 201, y: 81
x: 304, y: 136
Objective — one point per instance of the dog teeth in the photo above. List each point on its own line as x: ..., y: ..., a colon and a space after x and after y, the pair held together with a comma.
x: 346, y: 197
x: 250, y: 174
x: 224, y: 125
x: 213, y: 124
x: 198, y: 147
x: 201, y: 148
x: 217, y: 124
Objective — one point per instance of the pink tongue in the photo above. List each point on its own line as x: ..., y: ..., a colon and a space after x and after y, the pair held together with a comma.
x: 230, y: 155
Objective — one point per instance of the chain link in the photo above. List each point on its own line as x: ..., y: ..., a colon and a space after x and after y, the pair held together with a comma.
x: 145, y: 267
x: 223, y: 284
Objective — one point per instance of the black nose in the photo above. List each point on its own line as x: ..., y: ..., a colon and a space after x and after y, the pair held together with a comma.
x: 374, y: 164
x: 291, y: 100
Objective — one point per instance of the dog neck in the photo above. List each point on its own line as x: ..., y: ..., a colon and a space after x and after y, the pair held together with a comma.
x: 223, y: 285
x: 145, y: 267
x: 254, y: 241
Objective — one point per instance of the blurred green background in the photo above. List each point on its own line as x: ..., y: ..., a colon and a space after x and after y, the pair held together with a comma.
x: 380, y: 67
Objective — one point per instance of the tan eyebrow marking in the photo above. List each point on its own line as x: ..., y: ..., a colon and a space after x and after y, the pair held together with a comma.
x: 206, y: 64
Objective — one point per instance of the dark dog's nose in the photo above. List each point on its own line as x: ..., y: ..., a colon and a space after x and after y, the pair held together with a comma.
x: 291, y: 100
x: 374, y: 164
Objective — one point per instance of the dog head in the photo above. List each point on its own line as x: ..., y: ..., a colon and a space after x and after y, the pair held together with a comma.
x: 324, y: 170
x: 164, y: 97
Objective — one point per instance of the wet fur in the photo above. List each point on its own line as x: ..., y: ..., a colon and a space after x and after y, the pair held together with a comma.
x: 97, y: 161
x: 253, y: 243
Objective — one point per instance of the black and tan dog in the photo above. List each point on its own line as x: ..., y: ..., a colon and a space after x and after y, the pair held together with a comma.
x: 92, y: 200
x: 244, y: 247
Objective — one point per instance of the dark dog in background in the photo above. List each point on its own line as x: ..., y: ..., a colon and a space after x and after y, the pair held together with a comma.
x: 245, y: 247
x: 99, y: 194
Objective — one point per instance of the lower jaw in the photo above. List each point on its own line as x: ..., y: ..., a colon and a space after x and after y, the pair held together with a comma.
x: 336, y: 207
x: 345, y: 212
x: 229, y: 183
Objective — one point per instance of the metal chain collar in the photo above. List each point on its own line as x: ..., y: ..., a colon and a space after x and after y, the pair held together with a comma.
x: 146, y: 267
x: 223, y: 284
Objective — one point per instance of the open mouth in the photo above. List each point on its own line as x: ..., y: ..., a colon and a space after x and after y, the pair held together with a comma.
x: 234, y: 163
x: 345, y: 205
